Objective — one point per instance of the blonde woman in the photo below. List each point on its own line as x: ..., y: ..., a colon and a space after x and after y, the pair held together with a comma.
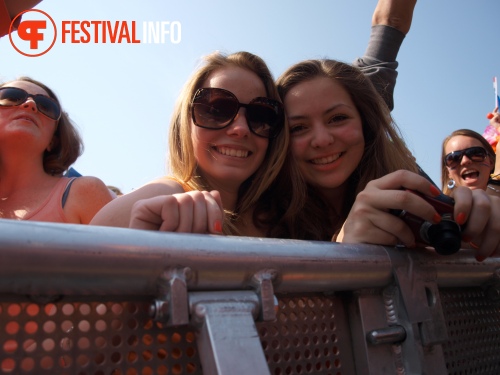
x: 227, y: 144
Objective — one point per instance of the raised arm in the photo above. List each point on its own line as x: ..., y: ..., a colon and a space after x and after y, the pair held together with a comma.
x: 391, y: 22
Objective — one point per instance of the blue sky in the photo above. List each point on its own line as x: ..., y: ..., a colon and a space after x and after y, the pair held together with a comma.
x: 121, y: 95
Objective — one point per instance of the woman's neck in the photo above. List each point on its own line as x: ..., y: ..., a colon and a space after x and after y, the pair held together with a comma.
x: 228, y: 191
x: 334, y: 198
x: 18, y: 173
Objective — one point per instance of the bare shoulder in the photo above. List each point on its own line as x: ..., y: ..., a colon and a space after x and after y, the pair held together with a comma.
x: 86, y: 197
x: 160, y: 186
x: 85, y: 183
x: 117, y: 212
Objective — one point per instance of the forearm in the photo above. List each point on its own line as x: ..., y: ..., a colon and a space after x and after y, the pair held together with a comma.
x: 394, y: 13
x: 9, y: 9
x: 4, y: 19
x: 16, y: 6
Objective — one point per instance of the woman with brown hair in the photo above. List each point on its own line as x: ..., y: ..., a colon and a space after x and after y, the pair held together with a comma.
x: 38, y: 143
x: 356, y: 168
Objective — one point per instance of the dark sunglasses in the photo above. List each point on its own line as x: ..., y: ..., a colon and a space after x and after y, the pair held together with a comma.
x: 213, y: 108
x: 13, y: 96
x: 477, y: 154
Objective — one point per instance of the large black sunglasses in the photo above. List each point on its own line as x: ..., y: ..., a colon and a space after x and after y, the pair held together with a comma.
x: 13, y: 96
x: 477, y: 154
x: 214, y: 108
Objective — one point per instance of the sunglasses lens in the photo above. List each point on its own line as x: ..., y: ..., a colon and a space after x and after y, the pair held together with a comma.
x: 214, y: 108
x: 48, y: 107
x: 11, y: 96
x: 264, y: 117
x: 452, y: 159
x: 476, y: 153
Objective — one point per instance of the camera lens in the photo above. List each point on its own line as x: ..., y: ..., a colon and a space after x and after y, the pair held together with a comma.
x: 445, y: 237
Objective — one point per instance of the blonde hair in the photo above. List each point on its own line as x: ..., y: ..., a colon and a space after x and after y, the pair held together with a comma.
x: 183, y: 163
x: 385, y: 150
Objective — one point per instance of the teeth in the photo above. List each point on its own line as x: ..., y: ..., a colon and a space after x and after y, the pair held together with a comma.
x: 232, y: 152
x: 326, y: 160
x: 468, y: 174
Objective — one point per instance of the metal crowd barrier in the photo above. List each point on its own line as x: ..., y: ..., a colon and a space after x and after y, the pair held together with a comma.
x: 95, y: 300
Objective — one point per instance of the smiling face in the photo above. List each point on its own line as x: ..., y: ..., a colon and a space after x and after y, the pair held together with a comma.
x: 473, y: 175
x: 227, y: 157
x: 326, y: 132
x: 24, y: 123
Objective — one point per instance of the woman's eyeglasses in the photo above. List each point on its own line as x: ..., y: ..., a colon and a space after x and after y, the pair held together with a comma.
x: 477, y: 154
x: 214, y: 108
x: 14, y: 96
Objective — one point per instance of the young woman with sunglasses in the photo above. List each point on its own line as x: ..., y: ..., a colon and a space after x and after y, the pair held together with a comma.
x: 37, y: 144
x: 356, y: 168
x: 468, y: 160
x: 226, y: 147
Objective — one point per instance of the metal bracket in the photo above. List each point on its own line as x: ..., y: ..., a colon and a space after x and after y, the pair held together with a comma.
x: 171, y: 306
x: 228, y: 341
x: 492, y: 287
x: 420, y: 296
x: 263, y: 282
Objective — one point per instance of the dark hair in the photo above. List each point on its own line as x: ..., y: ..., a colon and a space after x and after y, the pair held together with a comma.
x: 67, y: 144
x: 385, y: 150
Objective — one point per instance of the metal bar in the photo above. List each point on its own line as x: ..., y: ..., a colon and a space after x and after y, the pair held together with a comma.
x: 52, y: 259
x: 46, y: 258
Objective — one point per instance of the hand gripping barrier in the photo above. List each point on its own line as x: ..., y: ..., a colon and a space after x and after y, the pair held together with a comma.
x: 95, y: 300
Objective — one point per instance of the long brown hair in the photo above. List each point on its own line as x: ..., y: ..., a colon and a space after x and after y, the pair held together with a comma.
x: 385, y: 150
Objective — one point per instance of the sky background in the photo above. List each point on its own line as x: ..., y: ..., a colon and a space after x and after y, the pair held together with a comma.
x: 121, y: 96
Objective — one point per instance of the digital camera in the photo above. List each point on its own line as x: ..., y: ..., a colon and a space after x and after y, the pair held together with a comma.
x: 445, y: 236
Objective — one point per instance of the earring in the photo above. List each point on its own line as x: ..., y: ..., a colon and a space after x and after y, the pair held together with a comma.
x: 451, y: 184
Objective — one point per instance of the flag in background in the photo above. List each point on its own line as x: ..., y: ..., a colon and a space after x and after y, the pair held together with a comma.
x: 495, y: 87
x: 490, y: 133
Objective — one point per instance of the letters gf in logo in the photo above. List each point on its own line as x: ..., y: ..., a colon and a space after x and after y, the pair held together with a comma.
x: 33, y: 34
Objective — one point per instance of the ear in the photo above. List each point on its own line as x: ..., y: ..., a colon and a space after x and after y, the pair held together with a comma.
x: 492, y: 162
x: 50, y: 146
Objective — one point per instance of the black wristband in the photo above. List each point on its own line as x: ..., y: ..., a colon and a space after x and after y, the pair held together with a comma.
x: 494, y: 182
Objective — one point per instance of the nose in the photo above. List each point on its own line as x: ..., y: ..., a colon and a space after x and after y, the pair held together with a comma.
x: 321, y: 136
x: 239, y: 127
x: 465, y: 160
x: 30, y: 104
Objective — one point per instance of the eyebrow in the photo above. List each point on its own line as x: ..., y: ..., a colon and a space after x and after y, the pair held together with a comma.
x: 331, y: 109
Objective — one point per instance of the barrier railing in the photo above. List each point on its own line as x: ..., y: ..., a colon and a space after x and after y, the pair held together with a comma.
x: 95, y: 300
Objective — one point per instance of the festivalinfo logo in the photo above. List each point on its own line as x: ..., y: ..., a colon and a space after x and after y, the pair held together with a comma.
x: 37, y: 33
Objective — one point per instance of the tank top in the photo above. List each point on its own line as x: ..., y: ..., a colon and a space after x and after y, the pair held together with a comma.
x: 51, y: 209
